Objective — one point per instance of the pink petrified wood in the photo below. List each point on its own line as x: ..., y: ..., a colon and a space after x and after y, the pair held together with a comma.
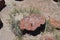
x: 54, y: 22
x: 32, y: 22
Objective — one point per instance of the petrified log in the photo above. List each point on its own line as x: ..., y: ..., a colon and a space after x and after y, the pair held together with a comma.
x: 2, y: 4
x: 32, y: 24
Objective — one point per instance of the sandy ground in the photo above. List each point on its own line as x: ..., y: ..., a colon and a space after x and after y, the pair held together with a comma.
x: 46, y: 7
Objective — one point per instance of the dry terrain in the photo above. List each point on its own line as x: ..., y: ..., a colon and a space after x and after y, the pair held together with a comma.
x: 46, y: 7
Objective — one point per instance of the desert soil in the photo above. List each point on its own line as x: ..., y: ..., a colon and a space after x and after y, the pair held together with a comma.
x: 46, y: 7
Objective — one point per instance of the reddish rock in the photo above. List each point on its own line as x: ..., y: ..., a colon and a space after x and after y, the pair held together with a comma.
x: 2, y: 4
x: 32, y: 22
x: 54, y: 23
x: 48, y: 37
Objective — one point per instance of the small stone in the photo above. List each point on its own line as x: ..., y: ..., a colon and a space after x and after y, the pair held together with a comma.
x: 48, y: 36
x: 54, y: 22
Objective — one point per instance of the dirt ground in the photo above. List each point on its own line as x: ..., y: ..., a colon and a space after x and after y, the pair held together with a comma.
x: 46, y: 7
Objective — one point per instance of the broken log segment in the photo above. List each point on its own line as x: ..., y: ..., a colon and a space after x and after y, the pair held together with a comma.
x: 33, y: 24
